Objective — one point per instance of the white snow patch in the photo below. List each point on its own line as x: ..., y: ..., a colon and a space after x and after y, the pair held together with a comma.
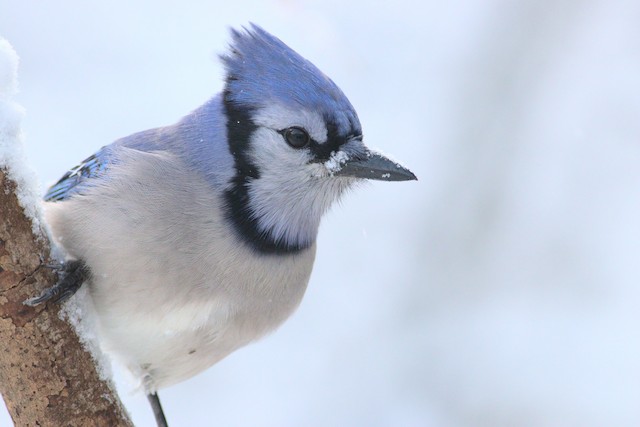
x: 12, y: 157
x: 336, y: 161
x: 80, y: 313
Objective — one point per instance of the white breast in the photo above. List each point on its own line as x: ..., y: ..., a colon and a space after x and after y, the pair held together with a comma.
x: 174, y: 289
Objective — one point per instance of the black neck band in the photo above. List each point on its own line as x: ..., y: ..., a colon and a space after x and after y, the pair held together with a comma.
x: 239, y: 131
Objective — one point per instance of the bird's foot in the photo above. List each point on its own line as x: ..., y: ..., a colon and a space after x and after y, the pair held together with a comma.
x: 74, y: 275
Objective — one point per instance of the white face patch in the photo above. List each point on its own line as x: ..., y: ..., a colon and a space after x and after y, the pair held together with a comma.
x: 279, y: 117
x: 292, y: 193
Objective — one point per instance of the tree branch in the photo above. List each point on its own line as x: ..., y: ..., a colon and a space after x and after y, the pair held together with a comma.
x: 47, y: 378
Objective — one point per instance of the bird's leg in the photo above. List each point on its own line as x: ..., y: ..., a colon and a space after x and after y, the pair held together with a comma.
x: 75, y: 273
x: 154, y: 400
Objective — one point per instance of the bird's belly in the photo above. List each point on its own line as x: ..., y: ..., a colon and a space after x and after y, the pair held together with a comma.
x: 165, y: 350
x: 177, y: 335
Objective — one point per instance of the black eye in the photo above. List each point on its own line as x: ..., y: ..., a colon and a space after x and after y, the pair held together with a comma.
x: 296, y: 137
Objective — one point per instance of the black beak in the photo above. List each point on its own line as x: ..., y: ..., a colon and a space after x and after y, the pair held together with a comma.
x: 375, y: 166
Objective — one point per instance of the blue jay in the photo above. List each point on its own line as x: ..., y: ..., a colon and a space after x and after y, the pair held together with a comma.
x: 197, y: 238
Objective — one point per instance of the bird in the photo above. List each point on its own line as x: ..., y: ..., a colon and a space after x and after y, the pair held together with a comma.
x: 198, y: 238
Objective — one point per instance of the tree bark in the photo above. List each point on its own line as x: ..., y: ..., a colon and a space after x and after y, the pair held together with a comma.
x: 47, y: 377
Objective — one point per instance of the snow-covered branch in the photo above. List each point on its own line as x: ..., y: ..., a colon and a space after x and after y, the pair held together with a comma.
x: 47, y: 377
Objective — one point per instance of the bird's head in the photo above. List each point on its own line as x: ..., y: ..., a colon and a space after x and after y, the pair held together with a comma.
x: 296, y: 142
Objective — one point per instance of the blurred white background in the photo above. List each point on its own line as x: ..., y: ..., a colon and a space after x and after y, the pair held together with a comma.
x: 502, y: 289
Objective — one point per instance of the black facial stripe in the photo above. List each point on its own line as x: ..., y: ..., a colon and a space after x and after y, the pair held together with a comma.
x: 322, y: 152
x: 335, y: 140
x: 239, y: 130
x: 240, y: 127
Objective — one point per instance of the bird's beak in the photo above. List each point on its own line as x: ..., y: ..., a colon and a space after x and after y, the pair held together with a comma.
x: 373, y: 166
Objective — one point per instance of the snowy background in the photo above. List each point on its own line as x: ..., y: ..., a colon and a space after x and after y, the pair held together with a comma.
x: 502, y: 289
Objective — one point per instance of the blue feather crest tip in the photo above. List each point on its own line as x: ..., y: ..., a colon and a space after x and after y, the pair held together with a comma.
x: 261, y: 69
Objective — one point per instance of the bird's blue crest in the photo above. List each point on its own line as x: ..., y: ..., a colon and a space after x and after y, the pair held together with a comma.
x: 262, y: 69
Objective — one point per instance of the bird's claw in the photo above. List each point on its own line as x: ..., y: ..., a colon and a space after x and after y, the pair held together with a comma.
x: 76, y: 272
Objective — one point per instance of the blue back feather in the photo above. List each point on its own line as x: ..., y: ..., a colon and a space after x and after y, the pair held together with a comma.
x: 69, y: 184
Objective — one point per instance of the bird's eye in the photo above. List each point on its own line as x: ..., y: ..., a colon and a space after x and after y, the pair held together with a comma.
x: 296, y: 137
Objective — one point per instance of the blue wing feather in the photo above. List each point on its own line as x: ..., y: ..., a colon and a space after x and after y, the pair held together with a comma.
x: 71, y: 182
